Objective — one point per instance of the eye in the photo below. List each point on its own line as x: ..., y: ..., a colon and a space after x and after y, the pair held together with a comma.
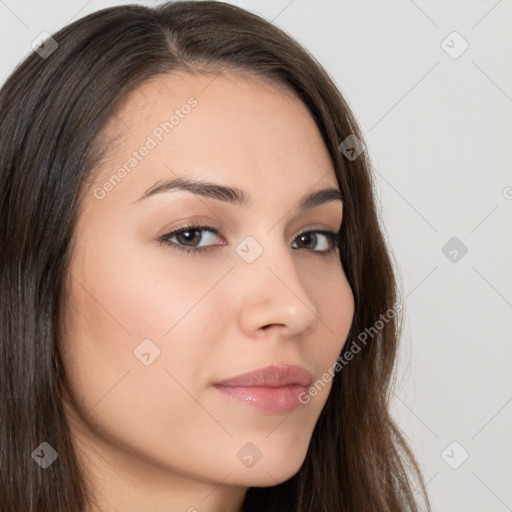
x: 328, y: 240
x: 188, y: 239
x: 189, y: 236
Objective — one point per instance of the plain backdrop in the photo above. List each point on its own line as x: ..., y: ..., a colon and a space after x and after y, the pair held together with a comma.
x: 430, y: 83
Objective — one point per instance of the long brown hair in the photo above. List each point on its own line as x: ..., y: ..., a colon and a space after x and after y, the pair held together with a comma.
x: 51, y: 111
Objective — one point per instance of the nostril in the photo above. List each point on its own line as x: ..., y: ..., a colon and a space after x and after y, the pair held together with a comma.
x: 267, y: 327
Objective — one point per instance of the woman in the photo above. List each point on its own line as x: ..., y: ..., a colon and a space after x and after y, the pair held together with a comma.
x: 193, y: 276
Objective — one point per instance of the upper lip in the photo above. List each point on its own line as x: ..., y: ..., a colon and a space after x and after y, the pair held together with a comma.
x: 273, y: 376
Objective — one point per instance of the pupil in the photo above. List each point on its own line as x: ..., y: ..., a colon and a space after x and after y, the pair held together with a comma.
x: 188, y: 237
x: 310, y: 236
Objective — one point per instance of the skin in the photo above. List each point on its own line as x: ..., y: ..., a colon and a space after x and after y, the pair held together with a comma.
x: 159, y: 437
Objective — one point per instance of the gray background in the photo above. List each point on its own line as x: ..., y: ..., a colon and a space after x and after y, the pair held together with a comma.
x: 439, y: 131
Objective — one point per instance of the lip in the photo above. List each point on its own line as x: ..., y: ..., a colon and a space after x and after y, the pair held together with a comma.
x: 272, y: 389
x: 273, y: 376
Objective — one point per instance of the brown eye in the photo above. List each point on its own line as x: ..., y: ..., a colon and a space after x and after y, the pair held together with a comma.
x: 328, y: 240
x: 188, y: 238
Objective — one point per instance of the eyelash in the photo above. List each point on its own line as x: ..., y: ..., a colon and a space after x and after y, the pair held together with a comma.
x: 332, y: 236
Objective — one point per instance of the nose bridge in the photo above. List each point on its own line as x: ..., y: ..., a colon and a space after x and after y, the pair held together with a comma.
x: 273, y: 292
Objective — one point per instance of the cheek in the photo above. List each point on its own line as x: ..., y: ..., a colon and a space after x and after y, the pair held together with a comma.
x: 330, y: 290
x: 117, y: 305
x: 141, y: 292
x: 334, y: 299
x: 141, y: 310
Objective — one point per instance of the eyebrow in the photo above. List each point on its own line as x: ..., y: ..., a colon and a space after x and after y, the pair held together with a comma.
x: 235, y: 195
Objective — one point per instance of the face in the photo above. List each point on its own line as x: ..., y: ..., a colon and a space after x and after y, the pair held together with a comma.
x: 158, y: 312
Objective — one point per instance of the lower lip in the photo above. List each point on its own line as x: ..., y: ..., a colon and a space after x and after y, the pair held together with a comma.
x: 264, y: 398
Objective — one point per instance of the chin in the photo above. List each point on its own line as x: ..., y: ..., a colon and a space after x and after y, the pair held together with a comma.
x: 273, y: 472
x: 276, y: 477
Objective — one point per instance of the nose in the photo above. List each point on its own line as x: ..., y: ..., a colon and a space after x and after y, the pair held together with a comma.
x: 271, y: 295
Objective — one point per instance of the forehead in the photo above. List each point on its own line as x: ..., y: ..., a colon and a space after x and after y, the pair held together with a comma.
x: 243, y: 130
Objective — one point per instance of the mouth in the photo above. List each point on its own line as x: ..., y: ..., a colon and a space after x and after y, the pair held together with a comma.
x: 274, y: 389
